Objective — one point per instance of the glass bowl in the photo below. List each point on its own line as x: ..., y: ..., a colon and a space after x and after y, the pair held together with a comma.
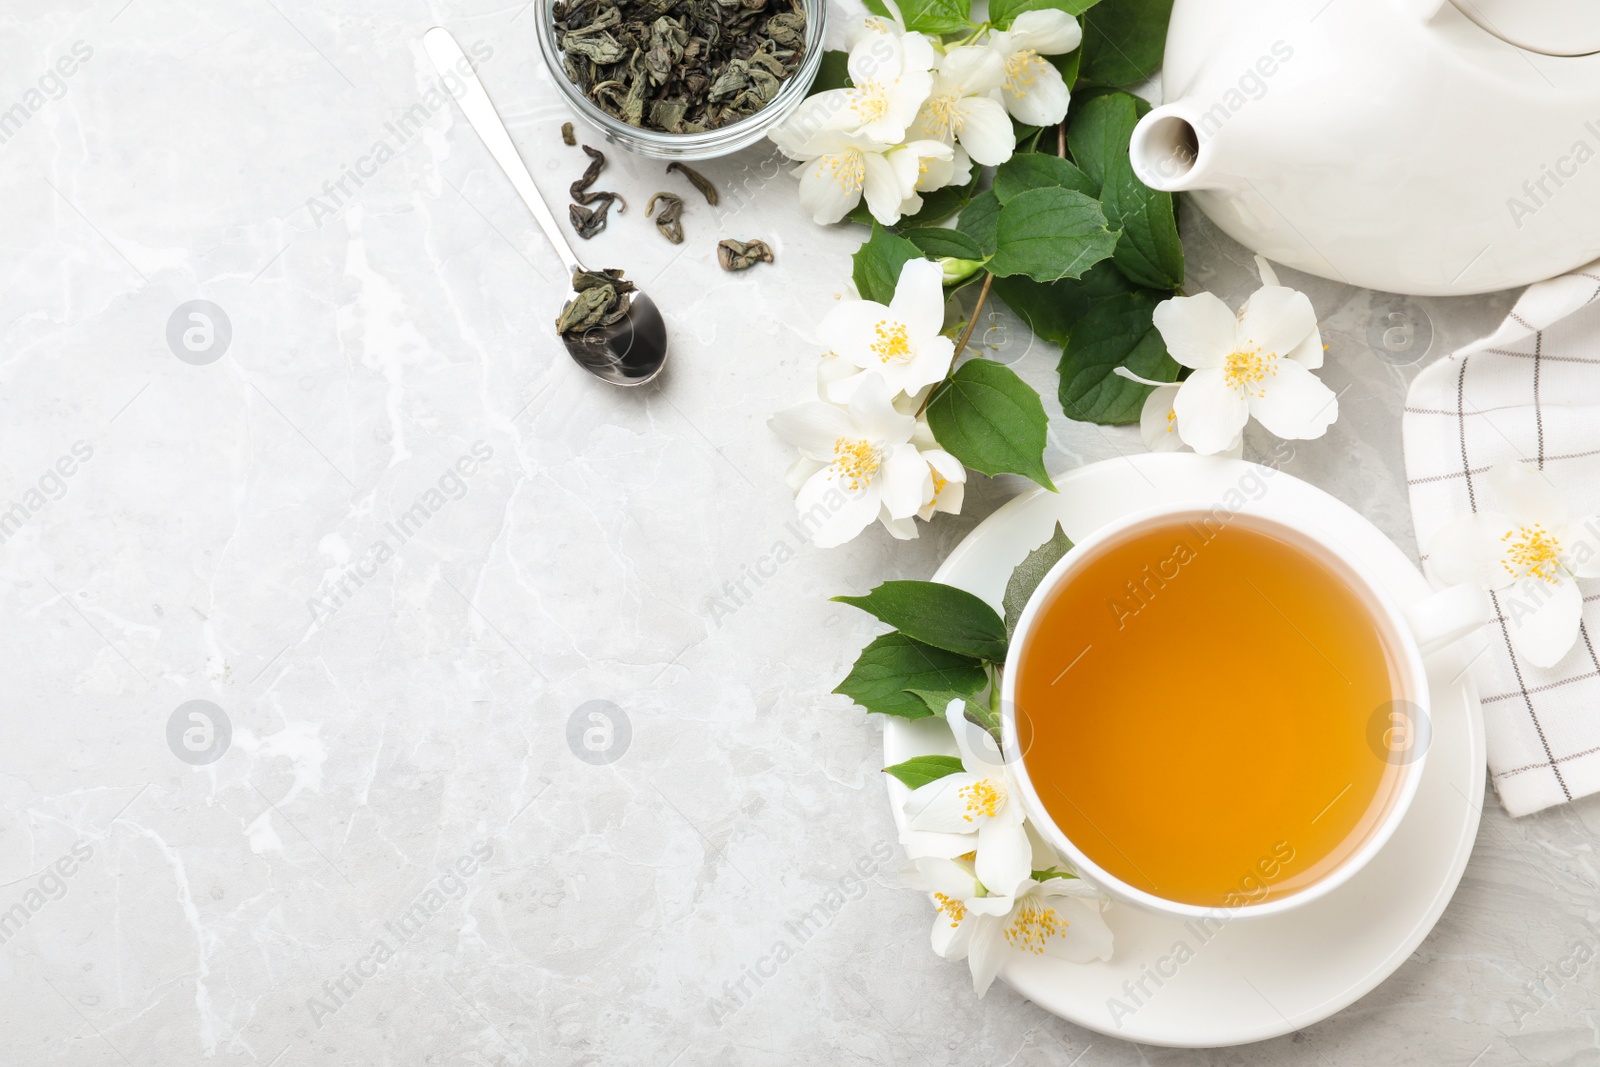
x: 718, y: 142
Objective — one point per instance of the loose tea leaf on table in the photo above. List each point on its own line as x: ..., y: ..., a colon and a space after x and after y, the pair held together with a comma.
x: 669, y: 221
x: 603, y: 298
x: 698, y: 180
x: 580, y: 188
x: 590, y: 221
x: 568, y: 138
x: 680, y: 66
x: 742, y: 255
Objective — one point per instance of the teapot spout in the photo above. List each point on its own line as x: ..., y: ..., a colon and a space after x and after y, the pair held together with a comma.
x: 1169, y: 154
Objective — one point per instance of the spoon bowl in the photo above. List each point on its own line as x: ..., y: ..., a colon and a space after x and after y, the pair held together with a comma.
x: 630, y: 351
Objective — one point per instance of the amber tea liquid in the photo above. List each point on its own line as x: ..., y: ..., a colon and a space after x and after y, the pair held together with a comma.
x: 1194, y: 709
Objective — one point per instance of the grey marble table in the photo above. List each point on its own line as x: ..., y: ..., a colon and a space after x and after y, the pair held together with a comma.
x: 405, y: 553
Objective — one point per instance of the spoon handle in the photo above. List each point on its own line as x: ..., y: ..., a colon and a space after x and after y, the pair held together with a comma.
x: 450, y: 61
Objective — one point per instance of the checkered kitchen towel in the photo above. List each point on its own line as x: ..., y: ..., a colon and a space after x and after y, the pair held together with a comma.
x: 1530, y: 392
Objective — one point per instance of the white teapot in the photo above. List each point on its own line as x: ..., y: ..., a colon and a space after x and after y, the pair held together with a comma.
x: 1429, y: 147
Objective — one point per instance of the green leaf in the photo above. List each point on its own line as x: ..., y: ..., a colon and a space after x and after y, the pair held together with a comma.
x: 1052, y: 872
x: 1123, y: 41
x: 980, y: 220
x: 1035, y: 170
x: 938, y: 615
x: 1029, y: 573
x: 940, y: 700
x: 1049, y: 234
x: 1097, y: 133
x: 920, y: 770
x: 1047, y: 309
x: 943, y: 203
x: 1051, y: 309
x: 1148, y: 251
x: 893, y: 668
x: 1001, y: 12
x: 1070, y: 65
x: 991, y: 420
x: 1027, y: 136
x: 832, y: 73
x: 878, y: 263
x: 1116, y: 332
x: 936, y: 241
x: 937, y: 16
x: 984, y: 716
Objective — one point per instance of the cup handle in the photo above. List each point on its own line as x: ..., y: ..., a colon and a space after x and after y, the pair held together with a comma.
x: 1447, y: 616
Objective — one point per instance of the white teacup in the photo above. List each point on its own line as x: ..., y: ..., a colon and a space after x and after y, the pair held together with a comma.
x: 1409, y: 632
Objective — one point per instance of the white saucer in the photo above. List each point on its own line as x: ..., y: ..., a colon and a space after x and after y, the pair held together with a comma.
x: 1259, y: 978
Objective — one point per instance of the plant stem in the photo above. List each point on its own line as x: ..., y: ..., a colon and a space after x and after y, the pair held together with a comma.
x: 972, y: 323
x: 1061, y: 140
x: 966, y: 335
x: 979, y: 29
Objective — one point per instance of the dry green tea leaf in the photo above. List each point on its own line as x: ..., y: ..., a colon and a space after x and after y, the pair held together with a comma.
x: 742, y: 255
x: 580, y: 188
x: 669, y: 221
x: 680, y: 66
x: 603, y: 297
x: 568, y: 138
x: 590, y: 221
x: 698, y: 180
x: 585, y: 220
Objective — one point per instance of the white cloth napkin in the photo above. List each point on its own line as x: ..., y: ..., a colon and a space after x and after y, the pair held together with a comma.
x: 1529, y: 392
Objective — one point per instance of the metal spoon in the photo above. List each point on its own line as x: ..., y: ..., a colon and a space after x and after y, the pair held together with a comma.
x: 631, y: 351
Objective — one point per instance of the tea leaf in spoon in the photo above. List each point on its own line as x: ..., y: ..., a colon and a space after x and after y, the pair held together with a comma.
x: 602, y: 299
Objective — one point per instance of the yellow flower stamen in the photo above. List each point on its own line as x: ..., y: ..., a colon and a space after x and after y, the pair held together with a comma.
x: 849, y: 169
x: 944, y: 120
x: 1534, y: 553
x: 953, y: 908
x: 870, y: 101
x: 1246, y: 369
x: 1172, y: 421
x: 982, y: 797
x: 1032, y: 926
x: 1020, y: 68
x: 939, y: 482
x: 893, y: 344
x: 856, y: 460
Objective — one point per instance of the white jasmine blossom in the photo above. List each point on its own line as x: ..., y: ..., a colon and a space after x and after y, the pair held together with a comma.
x: 1257, y: 363
x: 889, y: 80
x: 981, y: 800
x: 900, y: 344
x: 1055, y: 916
x: 1033, y: 90
x: 1533, y: 553
x: 961, y: 109
x: 857, y: 462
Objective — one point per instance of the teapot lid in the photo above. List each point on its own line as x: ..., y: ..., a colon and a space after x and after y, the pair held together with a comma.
x: 1553, y: 27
